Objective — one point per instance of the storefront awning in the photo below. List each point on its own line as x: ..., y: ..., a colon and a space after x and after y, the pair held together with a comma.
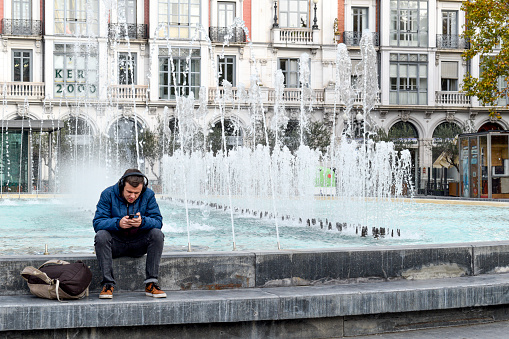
x: 35, y: 125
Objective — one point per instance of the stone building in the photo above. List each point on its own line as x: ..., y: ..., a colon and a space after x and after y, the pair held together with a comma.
x: 101, y: 66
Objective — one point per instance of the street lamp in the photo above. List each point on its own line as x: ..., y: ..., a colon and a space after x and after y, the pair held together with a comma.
x: 315, y: 25
x: 275, y: 25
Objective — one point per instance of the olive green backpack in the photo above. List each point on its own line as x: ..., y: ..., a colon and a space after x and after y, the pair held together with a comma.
x: 58, y: 279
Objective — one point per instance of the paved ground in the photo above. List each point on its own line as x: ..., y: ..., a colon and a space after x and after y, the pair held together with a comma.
x: 459, y: 201
x: 498, y: 330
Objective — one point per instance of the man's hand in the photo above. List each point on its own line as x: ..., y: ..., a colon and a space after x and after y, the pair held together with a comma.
x: 125, y: 222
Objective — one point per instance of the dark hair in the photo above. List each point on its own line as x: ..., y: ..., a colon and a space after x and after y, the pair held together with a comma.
x: 134, y: 180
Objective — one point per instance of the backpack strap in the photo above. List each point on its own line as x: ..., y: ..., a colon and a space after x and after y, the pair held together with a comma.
x: 54, y: 262
x: 58, y: 287
x: 32, y: 271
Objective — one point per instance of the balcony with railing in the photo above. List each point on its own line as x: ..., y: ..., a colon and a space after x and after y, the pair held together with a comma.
x: 293, y: 95
x: 132, y: 31
x: 451, y: 41
x: 450, y: 98
x: 216, y: 93
x: 354, y: 38
x: 128, y: 92
x: 21, y: 27
x: 290, y: 95
x: 234, y: 35
x: 283, y: 37
x: 359, y: 99
x: 22, y: 90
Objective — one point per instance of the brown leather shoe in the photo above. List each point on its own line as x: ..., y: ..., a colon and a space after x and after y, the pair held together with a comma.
x: 153, y: 290
x: 107, y: 292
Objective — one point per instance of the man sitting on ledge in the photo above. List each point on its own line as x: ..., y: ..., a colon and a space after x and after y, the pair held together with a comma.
x: 128, y: 223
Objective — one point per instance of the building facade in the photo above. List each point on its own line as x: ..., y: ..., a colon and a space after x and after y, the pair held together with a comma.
x: 113, y: 66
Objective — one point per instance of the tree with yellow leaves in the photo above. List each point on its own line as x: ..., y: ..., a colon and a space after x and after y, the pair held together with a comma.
x: 487, y: 30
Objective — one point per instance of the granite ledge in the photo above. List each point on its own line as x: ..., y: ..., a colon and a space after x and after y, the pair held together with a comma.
x: 26, y: 312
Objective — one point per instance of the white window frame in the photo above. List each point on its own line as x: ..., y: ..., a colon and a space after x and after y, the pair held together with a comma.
x: 409, y: 25
x: 178, y: 19
x: 186, y: 63
x: 22, y: 57
x: 291, y: 10
x: 76, y: 17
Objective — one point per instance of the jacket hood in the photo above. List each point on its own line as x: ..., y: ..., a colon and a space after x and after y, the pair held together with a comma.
x: 116, y: 190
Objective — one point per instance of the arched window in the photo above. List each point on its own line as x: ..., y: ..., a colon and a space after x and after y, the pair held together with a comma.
x: 447, y: 130
x: 75, y: 138
x: 490, y: 126
x: 233, y: 134
x: 444, y: 149
x: 78, y: 131
x: 122, y: 135
x: 404, y: 134
x: 291, y: 135
x: 124, y: 130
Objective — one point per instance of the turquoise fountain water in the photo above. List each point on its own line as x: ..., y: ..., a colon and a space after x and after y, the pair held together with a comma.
x: 63, y: 225
x: 267, y: 194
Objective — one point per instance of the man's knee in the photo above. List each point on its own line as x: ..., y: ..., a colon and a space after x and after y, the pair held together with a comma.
x: 156, y: 235
x: 102, y: 237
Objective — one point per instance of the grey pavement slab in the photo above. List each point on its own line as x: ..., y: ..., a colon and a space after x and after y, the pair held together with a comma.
x: 254, y: 304
x: 495, y: 330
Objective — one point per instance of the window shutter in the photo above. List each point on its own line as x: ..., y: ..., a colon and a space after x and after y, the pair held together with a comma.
x: 449, y: 70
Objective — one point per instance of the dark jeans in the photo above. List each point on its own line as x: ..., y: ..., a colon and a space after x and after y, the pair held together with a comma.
x: 109, y: 246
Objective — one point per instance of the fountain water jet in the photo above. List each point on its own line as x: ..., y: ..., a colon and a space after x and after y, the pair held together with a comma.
x: 262, y: 175
x: 364, y: 169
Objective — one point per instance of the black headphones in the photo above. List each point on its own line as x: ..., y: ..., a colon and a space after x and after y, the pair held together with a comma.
x: 121, y: 181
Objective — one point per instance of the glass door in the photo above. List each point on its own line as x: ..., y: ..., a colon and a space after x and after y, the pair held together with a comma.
x: 226, y: 14
x: 21, y: 17
x: 483, y: 148
x: 449, y: 29
x: 360, y: 23
x: 499, y: 167
x: 21, y: 10
x: 127, y: 11
x: 474, y: 168
x: 464, y: 168
x: 449, y: 22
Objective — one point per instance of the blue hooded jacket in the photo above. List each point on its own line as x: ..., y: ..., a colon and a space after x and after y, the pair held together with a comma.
x: 112, y: 207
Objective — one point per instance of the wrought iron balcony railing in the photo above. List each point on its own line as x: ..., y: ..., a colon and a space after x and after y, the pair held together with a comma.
x: 220, y: 34
x: 354, y: 38
x: 132, y: 31
x: 21, y: 27
x: 451, y: 41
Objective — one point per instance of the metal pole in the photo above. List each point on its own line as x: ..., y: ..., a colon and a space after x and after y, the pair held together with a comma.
x: 315, y: 25
x: 275, y: 24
